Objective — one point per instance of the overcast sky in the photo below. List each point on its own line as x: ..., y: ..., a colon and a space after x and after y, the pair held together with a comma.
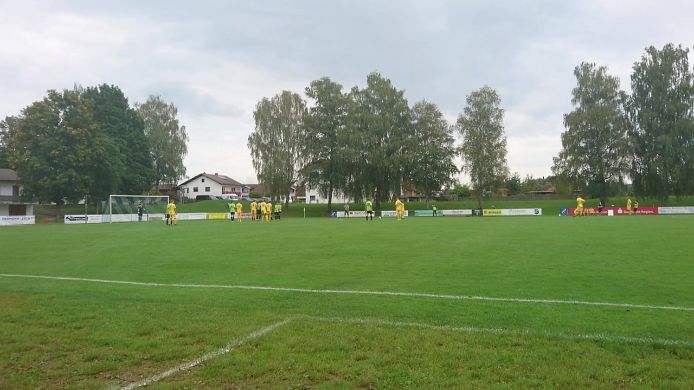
x: 216, y: 59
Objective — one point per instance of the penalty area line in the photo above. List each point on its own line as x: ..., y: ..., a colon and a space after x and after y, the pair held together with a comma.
x: 193, y: 363
x: 362, y: 292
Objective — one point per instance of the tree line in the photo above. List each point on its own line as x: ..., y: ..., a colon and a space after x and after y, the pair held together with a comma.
x: 368, y: 143
x: 646, y: 136
x: 89, y: 142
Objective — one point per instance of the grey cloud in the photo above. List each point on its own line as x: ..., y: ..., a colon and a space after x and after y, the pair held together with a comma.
x: 187, y: 99
x: 434, y: 50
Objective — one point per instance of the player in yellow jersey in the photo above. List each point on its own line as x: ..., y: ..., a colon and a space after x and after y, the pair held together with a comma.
x: 629, y: 206
x: 579, y: 206
x: 261, y: 210
x: 268, y: 210
x: 399, y: 208
x: 254, y: 208
x: 239, y: 209
x: 171, y: 213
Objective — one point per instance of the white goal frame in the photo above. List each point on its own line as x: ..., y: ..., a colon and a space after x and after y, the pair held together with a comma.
x: 110, y: 201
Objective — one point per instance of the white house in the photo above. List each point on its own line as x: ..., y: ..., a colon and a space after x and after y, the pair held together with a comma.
x: 10, y: 202
x: 212, y: 185
x: 314, y: 196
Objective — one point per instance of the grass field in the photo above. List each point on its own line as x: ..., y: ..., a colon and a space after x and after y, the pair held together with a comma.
x: 449, y: 302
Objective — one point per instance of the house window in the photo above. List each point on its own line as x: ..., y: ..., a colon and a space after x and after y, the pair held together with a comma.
x: 195, y: 189
x: 203, y: 180
x: 207, y: 189
x: 187, y: 190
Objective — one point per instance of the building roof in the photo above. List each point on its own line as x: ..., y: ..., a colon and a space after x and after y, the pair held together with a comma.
x: 257, y: 188
x: 8, y: 174
x: 221, y: 179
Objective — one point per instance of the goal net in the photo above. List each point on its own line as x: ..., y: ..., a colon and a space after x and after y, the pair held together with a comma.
x: 133, y: 208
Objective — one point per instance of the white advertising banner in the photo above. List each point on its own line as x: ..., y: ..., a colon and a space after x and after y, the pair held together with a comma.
x: 190, y: 216
x: 457, y: 213
x: 127, y: 218
x: 676, y: 210
x: 352, y: 214
x: 81, y: 218
x: 17, y: 220
x: 123, y: 218
x: 391, y: 214
x: 511, y: 212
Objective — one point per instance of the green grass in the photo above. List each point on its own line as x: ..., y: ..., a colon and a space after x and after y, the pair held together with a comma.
x: 80, y: 334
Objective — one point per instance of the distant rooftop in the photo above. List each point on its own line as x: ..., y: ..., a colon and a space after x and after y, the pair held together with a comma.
x: 8, y: 174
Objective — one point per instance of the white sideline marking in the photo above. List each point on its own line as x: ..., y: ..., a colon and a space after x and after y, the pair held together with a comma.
x: 361, y: 292
x: 512, y: 332
x: 226, y: 349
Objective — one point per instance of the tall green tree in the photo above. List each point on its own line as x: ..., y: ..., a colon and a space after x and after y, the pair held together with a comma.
x: 431, y: 149
x: 168, y: 139
x: 660, y: 109
x: 324, y: 143
x: 378, y: 129
x: 276, y: 142
x: 484, y: 142
x: 595, y: 145
x: 4, y: 138
x: 59, y: 151
x: 117, y: 120
x: 514, y: 184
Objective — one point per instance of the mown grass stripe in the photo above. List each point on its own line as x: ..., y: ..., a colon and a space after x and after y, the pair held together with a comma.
x: 398, y: 324
x: 361, y: 292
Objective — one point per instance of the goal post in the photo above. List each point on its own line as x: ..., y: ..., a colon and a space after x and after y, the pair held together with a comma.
x: 126, y: 208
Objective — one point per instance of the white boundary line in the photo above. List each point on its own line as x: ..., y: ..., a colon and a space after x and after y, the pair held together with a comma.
x: 360, y: 292
x: 510, y: 332
x: 193, y: 363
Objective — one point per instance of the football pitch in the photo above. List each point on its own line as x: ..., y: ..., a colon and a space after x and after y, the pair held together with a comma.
x: 520, y: 302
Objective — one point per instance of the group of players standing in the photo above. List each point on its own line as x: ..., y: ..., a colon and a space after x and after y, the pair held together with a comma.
x: 632, y: 207
x: 263, y: 211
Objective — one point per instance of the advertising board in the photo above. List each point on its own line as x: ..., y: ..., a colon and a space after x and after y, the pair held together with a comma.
x: 75, y: 219
x: 391, y: 213
x: 511, y: 212
x: 676, y: 210
x: 617, y: 211
x: 13, y: 220
x: 456, y: 213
